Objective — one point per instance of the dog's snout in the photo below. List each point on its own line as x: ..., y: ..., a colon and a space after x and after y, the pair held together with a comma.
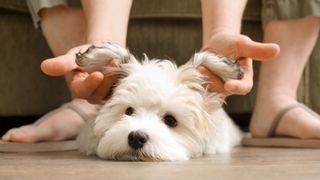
x: 137, y: 139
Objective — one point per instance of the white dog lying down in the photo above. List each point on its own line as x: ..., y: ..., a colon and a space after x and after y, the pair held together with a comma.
x: 157, y: 111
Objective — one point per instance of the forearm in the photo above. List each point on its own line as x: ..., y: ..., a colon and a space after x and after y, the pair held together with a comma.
x: 107, y: 20
x: 221, y: 15
x: 63, y: 28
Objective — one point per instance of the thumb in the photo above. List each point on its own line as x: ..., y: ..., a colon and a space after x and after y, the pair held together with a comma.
x: 60, y: 65
x: 256, y: 50
x: 63, y: 64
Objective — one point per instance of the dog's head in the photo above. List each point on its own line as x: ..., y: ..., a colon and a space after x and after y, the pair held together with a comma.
x: 157, y: 111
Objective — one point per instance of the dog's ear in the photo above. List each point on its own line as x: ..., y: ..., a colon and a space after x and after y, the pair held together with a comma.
x: 104, y: 58
x: 190, y: 77
x: 226, y: 68
x: 222, y: 66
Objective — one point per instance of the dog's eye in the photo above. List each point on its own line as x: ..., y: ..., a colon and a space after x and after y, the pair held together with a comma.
x: 170, y: 121
x: 129, y: 111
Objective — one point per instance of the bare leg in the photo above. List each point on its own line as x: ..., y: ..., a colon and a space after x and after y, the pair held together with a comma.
x: 63, y: 28
x: 279, y: 79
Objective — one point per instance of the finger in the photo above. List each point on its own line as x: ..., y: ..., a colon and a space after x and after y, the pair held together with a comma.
x: 215, y: 83
x: 244, y: 85
x: 104, y: 89
x: 256, y: 50
x: 60, y: 65
x: 83, y: 85
x: 63, y: 64
x: 239, y: 87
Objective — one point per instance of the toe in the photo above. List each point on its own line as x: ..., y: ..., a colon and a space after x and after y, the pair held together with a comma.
x: 22, y: 134
x: 25, y: 134
x: 6, y: 137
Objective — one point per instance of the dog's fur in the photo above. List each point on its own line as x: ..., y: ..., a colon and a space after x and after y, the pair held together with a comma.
x: 149, y: 96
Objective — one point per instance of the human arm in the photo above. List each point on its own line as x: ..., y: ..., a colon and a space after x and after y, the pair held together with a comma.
x: 106, y: 21
x: 221, y: 34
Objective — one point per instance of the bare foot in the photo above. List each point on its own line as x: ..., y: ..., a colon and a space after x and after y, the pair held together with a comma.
x: 297, y: 122
x: 63, y: 125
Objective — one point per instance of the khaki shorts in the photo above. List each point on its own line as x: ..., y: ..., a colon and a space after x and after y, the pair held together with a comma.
x: 36, y: 5
x: 274, y: 10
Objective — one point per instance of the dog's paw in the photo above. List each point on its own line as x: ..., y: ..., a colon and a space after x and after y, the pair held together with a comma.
x: 222, y: 66
x: 96, y: 58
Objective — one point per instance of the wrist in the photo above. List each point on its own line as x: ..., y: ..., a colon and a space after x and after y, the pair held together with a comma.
x: 212, y: 33
x: 217, y: 36
x: 96, y: 41
x: 106, y: 34
x: 101, y: 40
x: 224, y: 30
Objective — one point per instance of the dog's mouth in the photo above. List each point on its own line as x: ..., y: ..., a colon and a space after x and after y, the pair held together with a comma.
x: 139, y: 155
x: 135, y: 155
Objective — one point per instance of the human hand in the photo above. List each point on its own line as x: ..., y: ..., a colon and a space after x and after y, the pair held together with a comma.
x: 243, y: 49
x: 94, y: 87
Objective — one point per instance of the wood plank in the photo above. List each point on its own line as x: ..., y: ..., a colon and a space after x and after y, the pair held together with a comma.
x: 38, y: 147
x: 242, y: 163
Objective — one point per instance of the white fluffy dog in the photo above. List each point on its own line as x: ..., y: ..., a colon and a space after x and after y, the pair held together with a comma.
x: 157, y: 111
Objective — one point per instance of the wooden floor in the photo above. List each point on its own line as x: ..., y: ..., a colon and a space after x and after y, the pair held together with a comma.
x: 242, y: 163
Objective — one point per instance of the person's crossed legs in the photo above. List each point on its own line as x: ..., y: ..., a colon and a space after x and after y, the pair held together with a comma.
x: 279, y: 80
x: 63, y: 28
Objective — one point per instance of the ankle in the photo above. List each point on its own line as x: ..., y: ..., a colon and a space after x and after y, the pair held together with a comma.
x: 82, y: 103
x: 275, y: 96
x: 267, y: 106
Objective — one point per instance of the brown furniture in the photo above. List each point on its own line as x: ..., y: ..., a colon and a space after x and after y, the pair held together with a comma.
x: 159, y: 28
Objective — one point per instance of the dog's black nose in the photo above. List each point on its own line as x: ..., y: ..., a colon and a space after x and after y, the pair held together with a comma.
x: 137, y: 139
